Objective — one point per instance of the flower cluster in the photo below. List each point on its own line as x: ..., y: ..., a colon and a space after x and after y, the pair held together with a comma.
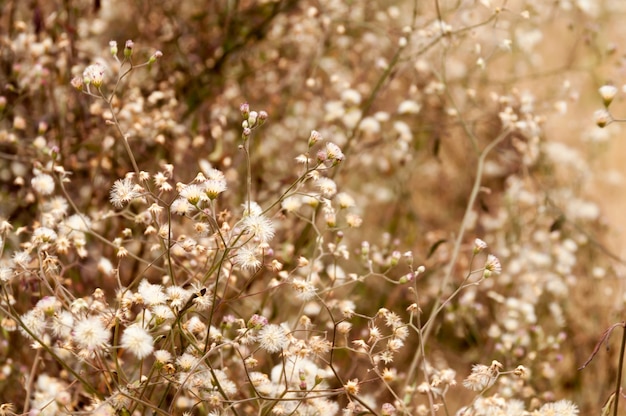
x: 166, y: 248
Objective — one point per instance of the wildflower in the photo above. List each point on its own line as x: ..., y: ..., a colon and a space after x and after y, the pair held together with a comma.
x: 252, y: 209
x: 291, y: 203
x: 62, y: 324
x: 48, y: 305
x: 186, y: 361
x: 273, y: 338
x: 315, y: 137
x: 351, y: 97
x: 344, y: 327
x: 345, y: 200
x: 409, y: 107
x: 91, y: 334
x: 34, y: 321
x: 138, y: 341
x: 214, y: 187
x: 245, y: 110
x: 43, y: 184
x: 246, y: 258
x: 259, y: 226
x: 6, y: 274
x: 21, y: 258
x: 57, y: 206
x: 333, y: 153
x: 560, y: 408
x: 151, y: 294
x: 327, y: 186
x: 156, y: 55
x: 257, y: 321
x: 128, y: 48
x: 388, y: 409
x: 354, y: 220
x: 181, y: 206
x: 77, y: 83
x: 306, y: 290
x: 352, y: 387
x: 521, y: 372
x: 479, y: 245
x: 603, y: 118
x: 607, y: 92
x: 94, y: 75
x: 482, y: 376
x: 124, y: 191
x: 162, y: 356
x: 178, y: 296
x: 113, y: 47
x: 44, y: 234
x: 160, y: 180
x: 492, y: 266
x: 193, y: 194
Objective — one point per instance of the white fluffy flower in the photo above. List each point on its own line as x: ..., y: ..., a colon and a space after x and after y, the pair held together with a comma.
x: 138, y: 341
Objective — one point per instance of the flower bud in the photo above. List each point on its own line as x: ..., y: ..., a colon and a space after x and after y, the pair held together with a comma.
x: 314, y: 138
x: 77, y: 82
x: 245, y: 110
x: 113, y: 47
x: 155, y: 56
x: 252, y: 118
x: 395, y: 258
x: 128, y: 48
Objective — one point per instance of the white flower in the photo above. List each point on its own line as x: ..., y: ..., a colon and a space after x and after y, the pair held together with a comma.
x: 246, y: 258
x: 138, y: 341
x: 345, y: 200
x: 560, y: 408
x: 6, y: 274
x: 162, y: 356
x: 333, y: 152
x: 479, y: 245
x: 273, y: 338
x: 178, y: 296
x: 306, y: 290
x: 91, y: 334
x: 214, y: 187
x: 259, y: 226
x: 34, y: 321
x: 94, y: 74
x: 43, y: 184
x: 181, y: 206
x: 351, y: 97
x: 327, y: 186
x: 22, y: 258
x: 151, y: 294
x: 193, y: 194
x: 291, y: 203
x: 409, y: 107
x: 44, y: 234
x: 492, y: 265
x: 186, y: 361
x: 482, y: 376
x: 124, y: 191
x: 62, y: 324
x: 607, y: 92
